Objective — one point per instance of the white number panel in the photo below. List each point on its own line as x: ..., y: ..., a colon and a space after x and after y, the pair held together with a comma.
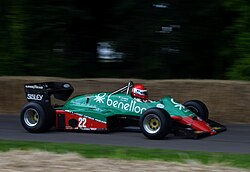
x: 82, y: 122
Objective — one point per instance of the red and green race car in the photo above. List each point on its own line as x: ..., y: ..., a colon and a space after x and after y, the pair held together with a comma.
x: 111, y: 111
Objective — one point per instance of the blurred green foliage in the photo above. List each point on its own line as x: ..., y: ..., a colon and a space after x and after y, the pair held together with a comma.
x: 239, y: 32
x: 158, y: 39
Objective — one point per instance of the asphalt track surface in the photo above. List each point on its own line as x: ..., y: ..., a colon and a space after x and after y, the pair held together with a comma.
x: 235, y: 140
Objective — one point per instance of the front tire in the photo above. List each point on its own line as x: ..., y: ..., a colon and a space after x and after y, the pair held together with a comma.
x: 198, y: 107
x: 155, y: 123
x: 37, y: 117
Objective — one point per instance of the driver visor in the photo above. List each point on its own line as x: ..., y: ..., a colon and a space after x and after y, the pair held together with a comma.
x: 141, y: 92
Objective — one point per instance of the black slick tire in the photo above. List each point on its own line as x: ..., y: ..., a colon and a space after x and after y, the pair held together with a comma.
x: 198, y: 107
x: 155, y: 123
x: 37, y: 117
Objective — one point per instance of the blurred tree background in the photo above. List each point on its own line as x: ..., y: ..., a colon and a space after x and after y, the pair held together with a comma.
x: 206, y: 39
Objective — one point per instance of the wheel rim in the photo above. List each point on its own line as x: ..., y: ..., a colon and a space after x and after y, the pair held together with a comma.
x: 152, y: 123
x: 31, y: 117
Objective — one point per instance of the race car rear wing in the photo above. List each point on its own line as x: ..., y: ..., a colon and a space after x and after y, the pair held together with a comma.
x: 43, y: 91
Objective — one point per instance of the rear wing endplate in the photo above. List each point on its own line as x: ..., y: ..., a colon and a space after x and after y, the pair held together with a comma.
x: 43, y: 91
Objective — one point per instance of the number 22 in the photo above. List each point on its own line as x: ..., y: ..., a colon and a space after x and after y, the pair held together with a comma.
x: 82, y: 122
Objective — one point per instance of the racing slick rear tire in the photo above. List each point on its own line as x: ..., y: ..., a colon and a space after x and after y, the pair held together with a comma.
x: 155, y: 123
x: 198, y: 107
x: 37, y: 117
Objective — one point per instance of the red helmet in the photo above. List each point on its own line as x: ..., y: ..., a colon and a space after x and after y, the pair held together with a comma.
x: 139, y: 91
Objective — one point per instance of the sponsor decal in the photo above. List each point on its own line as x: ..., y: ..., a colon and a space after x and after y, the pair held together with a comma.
x: 131, y: 106
x: 34, y: 86
x: 100, y: 98
x: 160, y: 106
x: 123, y: 99
x: 179, y: 106
x: 34, y: 96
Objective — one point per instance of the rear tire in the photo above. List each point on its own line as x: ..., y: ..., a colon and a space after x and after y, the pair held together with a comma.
x: 198, y: 107
x: 155, y: 123
x: 37, y: 117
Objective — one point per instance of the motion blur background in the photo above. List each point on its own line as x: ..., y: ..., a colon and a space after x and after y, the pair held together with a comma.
x: 126, y: 38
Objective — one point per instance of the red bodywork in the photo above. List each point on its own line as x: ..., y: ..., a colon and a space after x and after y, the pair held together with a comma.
x: 196, y: 123
x: 74, y: 121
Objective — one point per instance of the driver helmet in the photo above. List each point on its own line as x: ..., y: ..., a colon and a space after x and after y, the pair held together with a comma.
x: 139, y: 91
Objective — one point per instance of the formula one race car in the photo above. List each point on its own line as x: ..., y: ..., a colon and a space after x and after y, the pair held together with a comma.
x: 109, y: 111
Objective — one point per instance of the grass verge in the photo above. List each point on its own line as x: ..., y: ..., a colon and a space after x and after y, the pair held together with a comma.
x: 116, y: 152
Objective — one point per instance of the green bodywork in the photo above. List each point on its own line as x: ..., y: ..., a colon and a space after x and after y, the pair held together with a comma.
x: 102, y: 105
